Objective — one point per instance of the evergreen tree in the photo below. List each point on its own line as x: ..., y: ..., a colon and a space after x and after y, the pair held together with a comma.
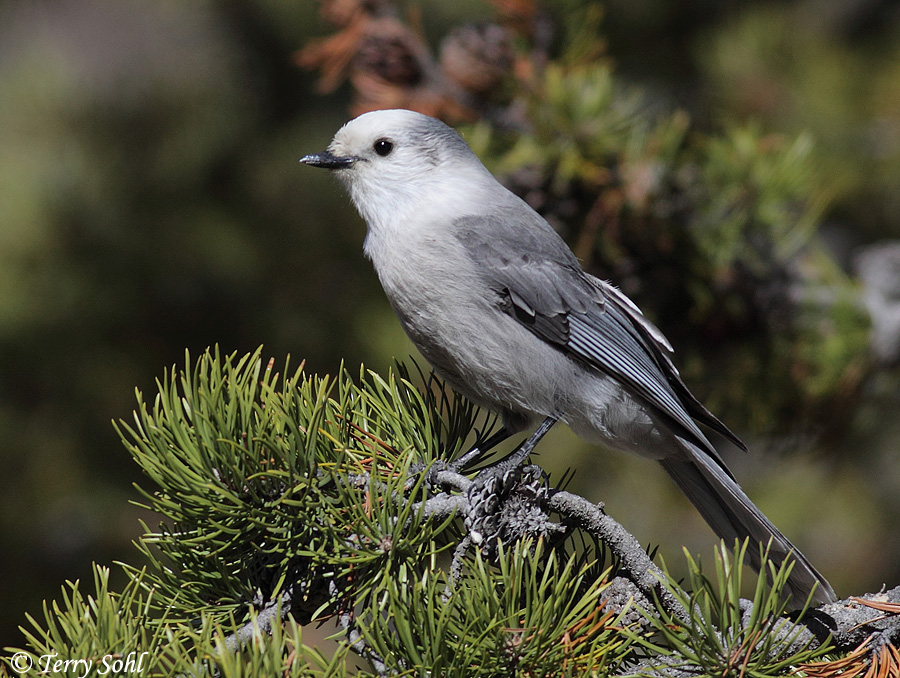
x: 297, y: 499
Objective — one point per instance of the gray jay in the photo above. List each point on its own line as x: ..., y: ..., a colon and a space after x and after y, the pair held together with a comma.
x: 495, y: 300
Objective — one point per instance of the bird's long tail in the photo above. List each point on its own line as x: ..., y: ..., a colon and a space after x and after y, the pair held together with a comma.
x: 732, y: 515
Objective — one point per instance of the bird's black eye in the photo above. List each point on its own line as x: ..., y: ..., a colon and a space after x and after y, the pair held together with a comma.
x: 383, y: 147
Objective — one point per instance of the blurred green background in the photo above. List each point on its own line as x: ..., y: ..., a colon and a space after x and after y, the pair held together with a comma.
x: 151, y: 202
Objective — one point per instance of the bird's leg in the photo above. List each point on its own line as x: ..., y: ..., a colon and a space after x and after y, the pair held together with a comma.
x: 518, y: 457
x: 458, y: 466
x: 511, y: 462
x: 487, y: 518
x: 492, y: 441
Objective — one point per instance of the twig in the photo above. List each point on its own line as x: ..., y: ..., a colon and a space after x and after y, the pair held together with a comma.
x: 843, y: 624
x: 635, y: 562
x: 278, y: 607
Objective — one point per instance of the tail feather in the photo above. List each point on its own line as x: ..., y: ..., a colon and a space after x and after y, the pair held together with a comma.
x: 731, y: 515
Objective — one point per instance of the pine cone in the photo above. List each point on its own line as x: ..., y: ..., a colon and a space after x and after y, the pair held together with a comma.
x: 388, y: 52
x: 344, y: 12
x: 477, y: 57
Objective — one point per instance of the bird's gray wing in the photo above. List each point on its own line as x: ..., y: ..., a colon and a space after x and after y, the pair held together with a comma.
x: 538, y: 281
x: 662, y: 351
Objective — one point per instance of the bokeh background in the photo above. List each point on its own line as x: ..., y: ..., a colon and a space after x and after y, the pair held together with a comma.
x: 151, y: 203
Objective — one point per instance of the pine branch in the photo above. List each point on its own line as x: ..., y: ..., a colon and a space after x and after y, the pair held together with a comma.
x: 308, y: 498
x: 642, y: 571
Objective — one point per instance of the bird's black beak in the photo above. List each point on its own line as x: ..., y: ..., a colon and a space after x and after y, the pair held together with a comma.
x: 328, y: 160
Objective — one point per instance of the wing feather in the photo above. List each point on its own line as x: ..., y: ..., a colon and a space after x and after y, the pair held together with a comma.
x: 539, y: 281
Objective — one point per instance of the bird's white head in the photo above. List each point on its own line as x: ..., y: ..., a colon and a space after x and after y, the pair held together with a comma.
x: 399, y: 163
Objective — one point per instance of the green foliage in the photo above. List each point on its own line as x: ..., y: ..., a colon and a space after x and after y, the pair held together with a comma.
x: 534, y: 612
x: 98, y: 626
x: 778, y: 64
x: 252, y: 476
x: 760, y: 202
x: 581, y: 121
x: 119, y: 635
x: 281, y: 652
x: 300, y: 491
x: 720, y: 638
x: 832, y: 333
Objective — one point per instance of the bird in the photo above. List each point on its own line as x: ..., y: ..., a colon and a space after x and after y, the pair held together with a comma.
x: 492, y: 297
